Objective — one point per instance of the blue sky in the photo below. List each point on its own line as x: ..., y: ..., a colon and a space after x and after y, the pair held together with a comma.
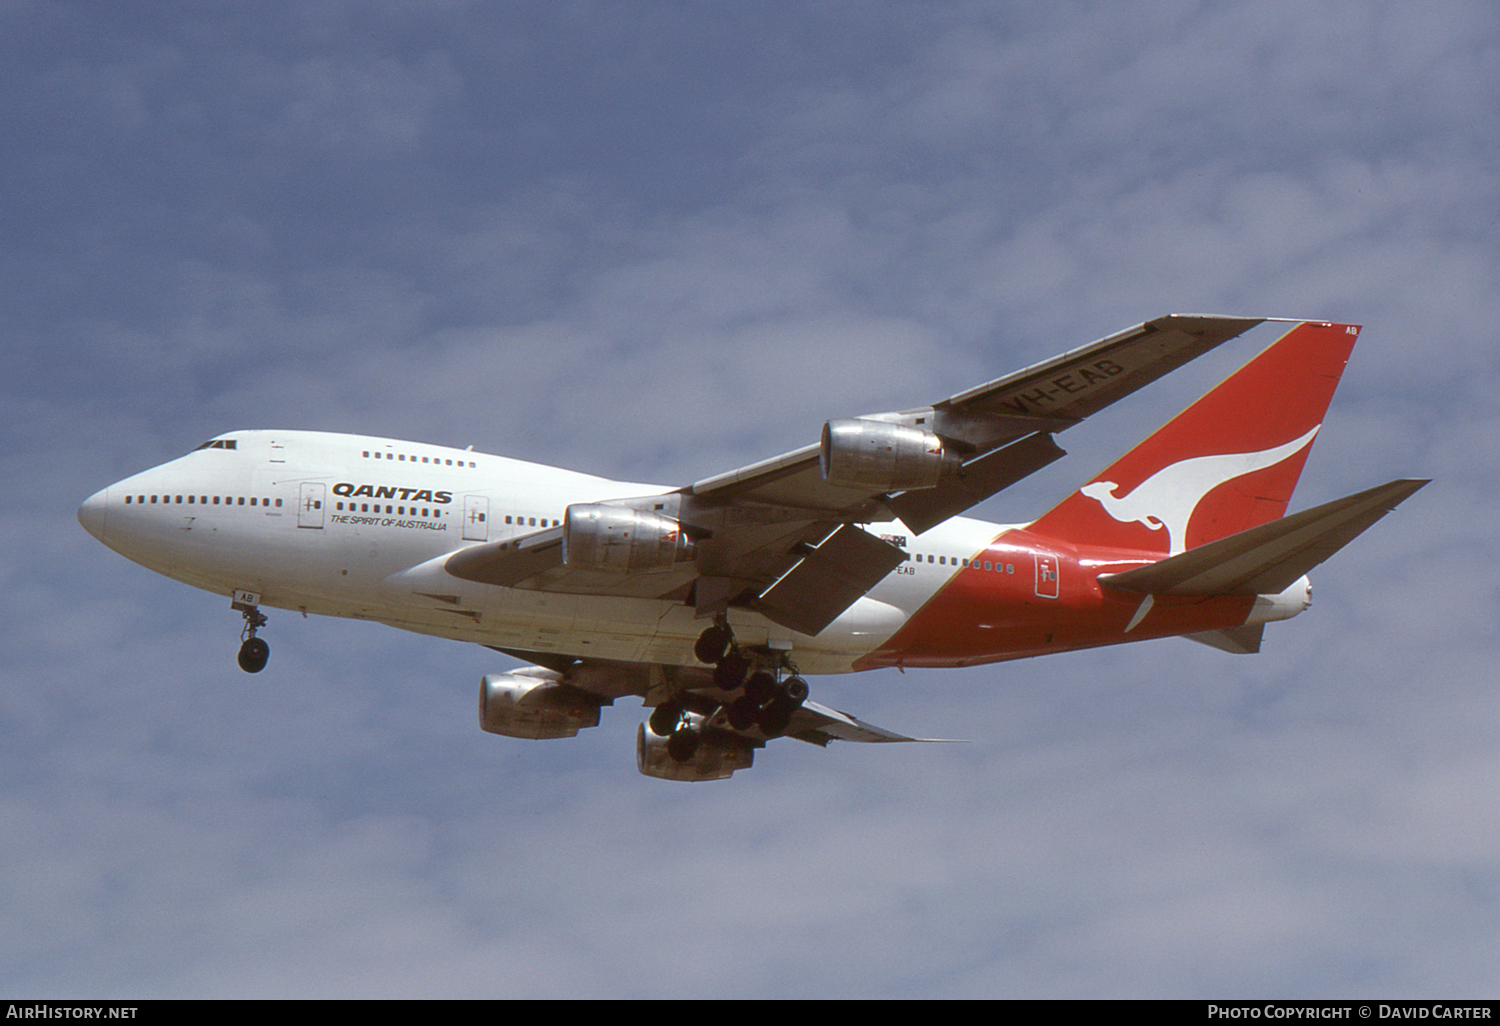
x: 660, y: 240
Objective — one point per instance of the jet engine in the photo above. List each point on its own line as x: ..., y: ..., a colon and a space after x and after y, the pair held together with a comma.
x: 534, y: 707
x: 690, y: 754
x: 599, y: 536
x: 889, y: 457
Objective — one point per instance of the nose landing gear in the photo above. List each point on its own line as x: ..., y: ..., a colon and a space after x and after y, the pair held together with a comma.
x: 253, y: 650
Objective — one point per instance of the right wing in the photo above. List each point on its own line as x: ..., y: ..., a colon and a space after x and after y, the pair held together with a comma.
x: 781, y: 536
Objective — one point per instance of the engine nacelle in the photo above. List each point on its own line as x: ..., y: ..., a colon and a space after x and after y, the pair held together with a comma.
x: 888, y: 457
x: 599, y: 536
x: 712, y: 759
x: 533, y: 707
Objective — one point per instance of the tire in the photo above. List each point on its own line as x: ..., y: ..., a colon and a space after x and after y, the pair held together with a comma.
x: 712, y: 645
x: 683, y: 744
x: 796, y: 689
x: 253, y: 655
x: 730, y: 673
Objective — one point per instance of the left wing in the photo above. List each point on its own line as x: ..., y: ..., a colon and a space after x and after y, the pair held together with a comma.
x: 781, y: 536
x: 562, y: 696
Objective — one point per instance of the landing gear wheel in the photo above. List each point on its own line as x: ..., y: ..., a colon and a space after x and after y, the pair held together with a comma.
x: 713, y: 643
x: 253, y: 651
x: 683, y: 744
x: 253, y: 655
x: 665, y: 718
x: 730, y: 673
x: 776, y: 715
x: 742, y: 713
x: 796, y: 690
x: 760, y: 687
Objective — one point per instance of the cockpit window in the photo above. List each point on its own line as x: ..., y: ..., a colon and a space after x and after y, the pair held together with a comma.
x: 219, y: 443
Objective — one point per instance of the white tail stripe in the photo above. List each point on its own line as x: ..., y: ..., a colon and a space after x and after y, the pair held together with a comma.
x: 1169, y: 497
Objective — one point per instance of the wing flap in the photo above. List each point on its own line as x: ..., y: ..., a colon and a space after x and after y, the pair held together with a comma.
x: 829, y: 579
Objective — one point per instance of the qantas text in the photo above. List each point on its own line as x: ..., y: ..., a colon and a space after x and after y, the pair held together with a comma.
x: 392, y: 492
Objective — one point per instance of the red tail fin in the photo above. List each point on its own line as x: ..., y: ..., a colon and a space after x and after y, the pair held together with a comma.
x: 1227, y: 463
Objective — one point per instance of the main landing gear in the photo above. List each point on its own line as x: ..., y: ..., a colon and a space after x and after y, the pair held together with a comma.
x: 253, y: 650
x: 766, y: 699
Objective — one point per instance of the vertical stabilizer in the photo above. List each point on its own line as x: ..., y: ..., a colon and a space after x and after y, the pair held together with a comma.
x: 1225, y: 464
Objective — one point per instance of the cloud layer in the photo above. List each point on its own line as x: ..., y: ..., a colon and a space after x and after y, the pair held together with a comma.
x: 657, y: 242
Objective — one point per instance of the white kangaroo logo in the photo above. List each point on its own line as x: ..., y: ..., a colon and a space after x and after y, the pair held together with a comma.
x: 1169, y: 497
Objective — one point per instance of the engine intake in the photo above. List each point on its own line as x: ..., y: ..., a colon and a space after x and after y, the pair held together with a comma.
x: 889, y: 457
x: 599, y: 536
x: 519, y: 705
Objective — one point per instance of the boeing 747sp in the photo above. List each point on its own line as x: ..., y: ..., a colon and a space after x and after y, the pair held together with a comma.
x: 711, y: 600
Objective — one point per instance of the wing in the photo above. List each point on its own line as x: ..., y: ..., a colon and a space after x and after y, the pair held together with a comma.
x: 560, y: 696
x: 782, y: 536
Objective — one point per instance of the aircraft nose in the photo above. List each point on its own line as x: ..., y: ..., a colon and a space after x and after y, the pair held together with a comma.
x: 91, y: 513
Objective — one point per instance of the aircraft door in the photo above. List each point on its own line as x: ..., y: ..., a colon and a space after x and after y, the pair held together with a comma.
x: 1046, y: 574
x: 310, y: 504
x: 476, y: 518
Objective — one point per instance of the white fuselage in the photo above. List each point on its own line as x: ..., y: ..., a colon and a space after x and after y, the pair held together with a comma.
x: 355, y: 526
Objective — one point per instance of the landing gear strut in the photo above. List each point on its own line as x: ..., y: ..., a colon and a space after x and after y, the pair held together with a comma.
x: 253, y: 651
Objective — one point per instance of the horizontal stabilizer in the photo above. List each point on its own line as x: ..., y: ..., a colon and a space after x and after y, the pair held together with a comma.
x: 1267, y: 559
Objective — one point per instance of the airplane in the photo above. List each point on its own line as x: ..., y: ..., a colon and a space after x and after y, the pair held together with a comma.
x: 710, y: 601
